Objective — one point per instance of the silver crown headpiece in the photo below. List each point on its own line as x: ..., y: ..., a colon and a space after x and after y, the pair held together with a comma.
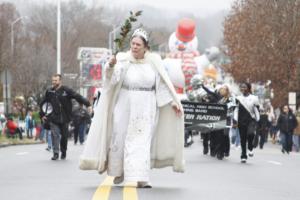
x: 140, y: 32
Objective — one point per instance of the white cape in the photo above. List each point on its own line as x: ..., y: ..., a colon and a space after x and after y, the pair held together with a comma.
x: 168, y: 140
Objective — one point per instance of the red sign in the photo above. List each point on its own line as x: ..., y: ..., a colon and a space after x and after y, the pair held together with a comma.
x: 96, y: 71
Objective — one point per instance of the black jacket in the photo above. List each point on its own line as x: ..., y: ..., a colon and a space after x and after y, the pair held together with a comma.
x: 287, y: 123
x: 213, y: 97
x: 62, y: 104
x: 80, y: 115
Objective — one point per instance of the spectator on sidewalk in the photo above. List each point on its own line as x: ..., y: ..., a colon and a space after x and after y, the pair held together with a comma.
x: 2, y: 123
x: 13, y: 129
x: 29, y: 124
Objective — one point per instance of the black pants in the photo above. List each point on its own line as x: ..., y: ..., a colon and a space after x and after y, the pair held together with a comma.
x: 206, y: 139
x: 222, y: 142
x: 226, y: 141
x: 213, y: 142
x: 260, y: 138
x: 286, y: 139
x: 245, y: 139
x: 210, y: 138
x: 59, y: 136
x: 79, y: 132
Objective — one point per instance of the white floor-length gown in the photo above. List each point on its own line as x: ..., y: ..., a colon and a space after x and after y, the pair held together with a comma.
x: 134, y: 120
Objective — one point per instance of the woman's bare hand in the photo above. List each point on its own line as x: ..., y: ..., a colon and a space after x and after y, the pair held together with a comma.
x: 176, y: 109
x: 112, y: 61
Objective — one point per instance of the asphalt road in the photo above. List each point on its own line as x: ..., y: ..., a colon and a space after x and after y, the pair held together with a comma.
x: 26, y: 172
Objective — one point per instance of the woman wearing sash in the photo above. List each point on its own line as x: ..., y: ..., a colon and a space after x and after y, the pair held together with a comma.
x: 246, y: 116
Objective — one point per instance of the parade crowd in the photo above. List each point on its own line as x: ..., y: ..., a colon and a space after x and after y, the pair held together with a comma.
x: 251, y: 123
x: 137, y: 123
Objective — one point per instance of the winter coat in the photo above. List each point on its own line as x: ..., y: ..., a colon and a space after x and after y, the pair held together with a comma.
x: 167, y: 144
x: 286, y: 123
x: 62, y: 104
x: 297, y: 129
x: 79, y: 116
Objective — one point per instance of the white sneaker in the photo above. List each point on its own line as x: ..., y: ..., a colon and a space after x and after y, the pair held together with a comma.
x: 243, y: 160
x: 250, y: 154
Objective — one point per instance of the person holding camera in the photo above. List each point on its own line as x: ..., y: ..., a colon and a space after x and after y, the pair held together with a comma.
x: 56, y: 109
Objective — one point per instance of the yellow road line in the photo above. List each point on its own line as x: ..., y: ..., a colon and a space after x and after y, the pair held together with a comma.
x: 129, y: 192
x: 102, y: 192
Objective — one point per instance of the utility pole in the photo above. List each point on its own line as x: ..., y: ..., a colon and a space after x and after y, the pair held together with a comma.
x: 58, y: 39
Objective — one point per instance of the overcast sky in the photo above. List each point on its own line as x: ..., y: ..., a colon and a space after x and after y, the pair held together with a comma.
x: 182, y: 4
x: 198, y: 7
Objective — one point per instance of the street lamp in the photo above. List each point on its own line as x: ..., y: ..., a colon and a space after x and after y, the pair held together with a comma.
x: 12, y: 34
x: 112, y: 37
x: 58, y: 39
x: 6, y: 74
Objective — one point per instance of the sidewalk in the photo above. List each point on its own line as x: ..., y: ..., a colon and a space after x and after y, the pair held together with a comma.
x: 4, y: 142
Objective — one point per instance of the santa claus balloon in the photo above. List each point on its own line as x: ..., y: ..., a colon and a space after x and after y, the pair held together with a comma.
x: 184, y: 61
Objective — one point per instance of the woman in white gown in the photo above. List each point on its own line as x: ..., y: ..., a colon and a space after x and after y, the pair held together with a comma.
x: 141, y: 132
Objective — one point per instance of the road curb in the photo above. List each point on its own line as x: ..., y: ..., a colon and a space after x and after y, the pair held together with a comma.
x: 7, y: 144
x: 3, y: 145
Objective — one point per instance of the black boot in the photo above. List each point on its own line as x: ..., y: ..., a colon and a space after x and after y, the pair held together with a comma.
x: 212, y: 153
x: 205, y: 151
x: 55, y: 156
x: 63, y: 155
x: 220, y: 156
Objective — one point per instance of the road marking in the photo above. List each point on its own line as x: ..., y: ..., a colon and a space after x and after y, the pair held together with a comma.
x: 129, y: 192
x: 21, y: 153
x: 102, y: 193
x: 274, y: 162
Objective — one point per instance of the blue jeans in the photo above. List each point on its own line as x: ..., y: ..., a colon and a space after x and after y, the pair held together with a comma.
x: 296, y: 142
x: 79, y: 130
x: 286, y: 141
x: 29, y: 132
x: 235, y: 136
x: 42, y: 134
x: 48, y: 138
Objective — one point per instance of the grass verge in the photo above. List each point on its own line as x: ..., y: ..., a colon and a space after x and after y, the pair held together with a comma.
x: 15, y: 141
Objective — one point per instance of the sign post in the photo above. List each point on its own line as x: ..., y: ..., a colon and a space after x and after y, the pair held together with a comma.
x: 292, y: 100
x: 6, y: 81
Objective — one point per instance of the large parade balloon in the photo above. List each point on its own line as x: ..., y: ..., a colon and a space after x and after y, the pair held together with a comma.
x: 184, y: 61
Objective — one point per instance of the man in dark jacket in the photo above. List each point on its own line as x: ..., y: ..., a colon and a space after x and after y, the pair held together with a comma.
x: 58, y: 103
x: 286, y: 123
